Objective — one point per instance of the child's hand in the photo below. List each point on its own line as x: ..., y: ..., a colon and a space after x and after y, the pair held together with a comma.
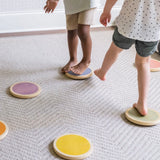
x: 50, y: 5
x: 105, y: 18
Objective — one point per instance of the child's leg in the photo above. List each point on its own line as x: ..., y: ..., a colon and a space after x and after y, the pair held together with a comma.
x: 109, y: 59
x: 143, y: 69
x: 86, y: 42
x: 72, y: 45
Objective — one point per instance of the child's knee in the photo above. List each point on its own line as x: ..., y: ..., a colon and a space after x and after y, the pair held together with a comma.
x: 83, y: 32
x: 142, y: 60
x: 72, y: 33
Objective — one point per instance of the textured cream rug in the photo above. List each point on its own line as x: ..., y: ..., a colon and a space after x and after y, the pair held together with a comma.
x: 91, y: 108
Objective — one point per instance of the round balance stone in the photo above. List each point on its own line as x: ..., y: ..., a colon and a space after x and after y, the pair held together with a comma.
x: 152, y: 118
x: 86, y: 74
x: 25, y: 90
x: 3, y: 130
x: 72, y: 147
x: 154, y: 65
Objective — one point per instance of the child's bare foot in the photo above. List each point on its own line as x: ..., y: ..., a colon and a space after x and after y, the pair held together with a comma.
x: 68, y: 66
x: 80, y: 68
x: 141, y: 109
x: 99, y: 74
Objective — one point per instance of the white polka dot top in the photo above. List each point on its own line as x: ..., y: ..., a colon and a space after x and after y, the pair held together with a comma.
x: 140, y: 20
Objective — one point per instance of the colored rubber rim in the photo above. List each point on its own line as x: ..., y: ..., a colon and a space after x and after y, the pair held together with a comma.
x: 3, y: 130
x: 25, y: 96
x: 63, y: 143
x: 151, y: 119
x: 86, y: 74
x: 158, y: 47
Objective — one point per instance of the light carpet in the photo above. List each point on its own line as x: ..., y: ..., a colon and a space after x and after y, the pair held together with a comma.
x: 91, y: 108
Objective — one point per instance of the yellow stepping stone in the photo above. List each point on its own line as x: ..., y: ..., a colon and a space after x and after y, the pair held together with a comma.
x: 72, y: 147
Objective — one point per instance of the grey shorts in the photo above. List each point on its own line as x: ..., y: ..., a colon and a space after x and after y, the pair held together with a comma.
x: 144, y: 49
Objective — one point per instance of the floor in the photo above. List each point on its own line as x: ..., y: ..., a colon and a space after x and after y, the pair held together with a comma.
x: 91, y: 108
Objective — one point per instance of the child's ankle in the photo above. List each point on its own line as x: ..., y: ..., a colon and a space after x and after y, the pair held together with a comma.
x: 86, y: 61
x: 73, y: 59
x: 142, y: 103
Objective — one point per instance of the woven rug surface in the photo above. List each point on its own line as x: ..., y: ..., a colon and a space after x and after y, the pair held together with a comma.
x: 91, y: 108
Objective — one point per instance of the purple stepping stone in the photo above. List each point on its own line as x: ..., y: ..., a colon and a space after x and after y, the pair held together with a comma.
x: 25, y: 88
